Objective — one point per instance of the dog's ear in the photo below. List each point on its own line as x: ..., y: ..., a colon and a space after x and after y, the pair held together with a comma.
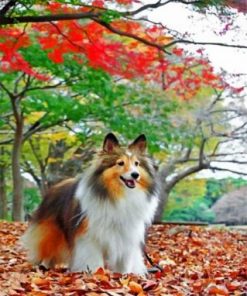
x: 110, y: 143
x: 140, y: 144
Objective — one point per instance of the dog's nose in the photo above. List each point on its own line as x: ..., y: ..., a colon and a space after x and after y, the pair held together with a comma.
x: 134, y: 175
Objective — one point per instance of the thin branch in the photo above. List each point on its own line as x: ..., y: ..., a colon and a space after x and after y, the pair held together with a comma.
x: 17, y: 82
x: 67, y: 38
x: 201, y: 151
x: 227, y: 170
x: 10, y: 94
x: 185, y: 157
x: 42, y: 87
x: 184, y: 41
x: 39, y: 128
x: 130, y: 35
x: 228, y: 154
x: 36, y: 153
x: 230, y: 161
x: 28, y: 168
x: 160, y: 4
x: 6, y: 142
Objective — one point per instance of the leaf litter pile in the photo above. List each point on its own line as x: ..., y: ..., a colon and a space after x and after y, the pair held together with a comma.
x: 195, y: 261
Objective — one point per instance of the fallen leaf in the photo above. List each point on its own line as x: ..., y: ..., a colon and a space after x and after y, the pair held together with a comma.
x: 135, y: 287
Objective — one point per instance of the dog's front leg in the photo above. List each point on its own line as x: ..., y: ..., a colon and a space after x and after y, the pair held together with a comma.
x: 132, y: 261
x: 86, y: 256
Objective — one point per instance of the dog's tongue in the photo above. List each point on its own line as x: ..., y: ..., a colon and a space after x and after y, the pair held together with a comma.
x: 130, y: 183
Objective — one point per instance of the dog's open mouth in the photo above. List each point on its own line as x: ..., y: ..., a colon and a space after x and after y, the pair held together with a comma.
x: 128, y: 182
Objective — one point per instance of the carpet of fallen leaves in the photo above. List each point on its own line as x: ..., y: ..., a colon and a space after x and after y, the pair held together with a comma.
x: 195, y: 261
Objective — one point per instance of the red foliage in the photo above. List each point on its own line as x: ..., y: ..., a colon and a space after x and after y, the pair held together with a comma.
x: 121, y: 57
x: 13, y: 39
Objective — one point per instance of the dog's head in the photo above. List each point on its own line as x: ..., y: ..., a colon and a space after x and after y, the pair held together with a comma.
x: 121, y: 169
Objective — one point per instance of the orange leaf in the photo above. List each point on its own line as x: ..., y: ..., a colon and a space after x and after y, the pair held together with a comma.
x: 135, y: 287
x: 41, y: 282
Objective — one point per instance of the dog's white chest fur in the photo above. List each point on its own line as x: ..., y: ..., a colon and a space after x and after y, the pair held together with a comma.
x: 116, y: 231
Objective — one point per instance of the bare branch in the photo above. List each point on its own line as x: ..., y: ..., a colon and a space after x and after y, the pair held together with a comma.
x: 28, y: 168
x: 184, y: 41
x: 36, y: 153
x: 230, y: 161
x: 185, y: 173
x: 227, y: 154
x: 7, y: 7
x: 227, y: 170
x: 41, y: 127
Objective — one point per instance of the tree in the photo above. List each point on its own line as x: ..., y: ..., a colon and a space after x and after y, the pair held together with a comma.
x: 63, y: 49
x: 70, y: 96
x: 213, y: 138
x: 54, y: 155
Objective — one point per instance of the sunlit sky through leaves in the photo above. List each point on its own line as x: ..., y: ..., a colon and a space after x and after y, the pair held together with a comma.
x: 209, y: 28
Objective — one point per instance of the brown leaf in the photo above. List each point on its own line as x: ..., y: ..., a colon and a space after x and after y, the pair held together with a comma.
x: 149, y: 285
x: 232, y: 286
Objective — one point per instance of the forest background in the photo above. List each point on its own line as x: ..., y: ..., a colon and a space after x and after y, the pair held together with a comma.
x: 71, y: 71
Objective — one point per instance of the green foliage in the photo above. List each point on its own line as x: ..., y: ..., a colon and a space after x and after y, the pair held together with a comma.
x: 110, y: 15
x: 217, y: 188
x: 209, y: 3
x: 31, y: 199
x: 192, y: 199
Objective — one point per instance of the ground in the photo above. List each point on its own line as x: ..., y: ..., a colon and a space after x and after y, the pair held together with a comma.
x: 195, y: 261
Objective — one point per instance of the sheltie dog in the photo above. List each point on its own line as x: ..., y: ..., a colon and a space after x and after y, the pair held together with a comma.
x: 100, y: 218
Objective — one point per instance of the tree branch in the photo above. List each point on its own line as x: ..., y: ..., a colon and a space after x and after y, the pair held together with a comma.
x: 28, y: 168
x: 227, y: 170
x: 185, y: 173
x: 185, y: 41
x: 10, y: 94
x: 7, y: 7
x: 130, y: 35
x: 47, y: 18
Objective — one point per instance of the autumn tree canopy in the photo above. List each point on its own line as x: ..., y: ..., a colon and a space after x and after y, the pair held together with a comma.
x: 73, y: 62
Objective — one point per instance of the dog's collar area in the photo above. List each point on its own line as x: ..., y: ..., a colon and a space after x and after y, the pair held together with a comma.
x: 128, y: 182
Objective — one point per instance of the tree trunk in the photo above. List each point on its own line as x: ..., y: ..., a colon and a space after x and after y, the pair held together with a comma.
x: 17, y: 209
x: 3, y: 195
x: 166, y: 185
x: 163, y: 198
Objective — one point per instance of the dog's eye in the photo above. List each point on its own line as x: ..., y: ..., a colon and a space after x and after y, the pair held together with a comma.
x: 121, y: 163
x: 136, y: 163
